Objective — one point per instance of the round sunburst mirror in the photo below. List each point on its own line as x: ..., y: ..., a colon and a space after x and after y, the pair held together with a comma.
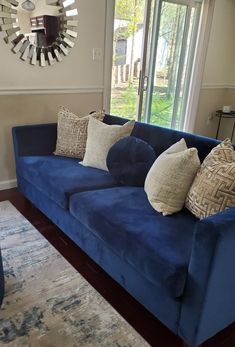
x: 40, y: 31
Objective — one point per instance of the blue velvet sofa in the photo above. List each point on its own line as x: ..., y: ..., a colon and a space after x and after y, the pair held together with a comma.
x: 180, y: 268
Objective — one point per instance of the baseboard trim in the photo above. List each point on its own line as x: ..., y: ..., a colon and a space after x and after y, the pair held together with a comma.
x: 46, y: 91
x: 8, y: 184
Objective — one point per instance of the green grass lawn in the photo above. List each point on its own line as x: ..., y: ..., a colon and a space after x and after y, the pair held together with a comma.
x: 123, y: 104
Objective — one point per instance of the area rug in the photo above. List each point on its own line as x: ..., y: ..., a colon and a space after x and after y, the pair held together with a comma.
x: 47, y: 302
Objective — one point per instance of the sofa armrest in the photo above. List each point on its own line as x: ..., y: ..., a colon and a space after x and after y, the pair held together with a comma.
x: 34, y: 139
x: 208, y: 304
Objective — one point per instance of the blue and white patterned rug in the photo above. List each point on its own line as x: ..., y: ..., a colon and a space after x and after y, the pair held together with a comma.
x: 47, y: 302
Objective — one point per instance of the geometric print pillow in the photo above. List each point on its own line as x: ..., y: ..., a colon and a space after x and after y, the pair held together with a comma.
x: 72, y: 133
x: 213, y: 189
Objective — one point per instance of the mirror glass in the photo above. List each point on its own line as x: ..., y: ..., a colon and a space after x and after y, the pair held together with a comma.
x: 42, y: 25
x: 40, y: 30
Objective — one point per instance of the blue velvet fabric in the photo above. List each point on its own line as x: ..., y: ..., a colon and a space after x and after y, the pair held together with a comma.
x: 34, y: 139
x: 149, y: 295
x: 209, y: 300
x: 129, y: 160
x: 162, y: 138
x: 59, y: 177
x: 207, y: 304
x: 158, y: 247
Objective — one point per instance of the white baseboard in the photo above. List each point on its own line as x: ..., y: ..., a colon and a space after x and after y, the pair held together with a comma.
x: 8, y: 184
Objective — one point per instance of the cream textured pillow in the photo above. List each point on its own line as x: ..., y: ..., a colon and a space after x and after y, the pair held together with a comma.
x: 170, y: 178
x: 213, y: 189
x: 100, y: 138
x: 72, y: 133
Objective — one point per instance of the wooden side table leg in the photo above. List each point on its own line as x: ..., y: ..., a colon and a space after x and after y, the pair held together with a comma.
x: 218, y: 128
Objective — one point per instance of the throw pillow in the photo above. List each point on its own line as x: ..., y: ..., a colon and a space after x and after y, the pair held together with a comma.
x: 129, y: 161
x: 170, y: 178
x: 100, y: 138
x: 213, y: 189
x: 72, y: 133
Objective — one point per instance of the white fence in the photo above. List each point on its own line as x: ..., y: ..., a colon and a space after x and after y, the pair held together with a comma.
x: 121, y: 73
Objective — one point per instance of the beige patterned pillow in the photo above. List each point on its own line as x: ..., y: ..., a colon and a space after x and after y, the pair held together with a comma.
x: 213, y: 189
x: 72, y: 133
x: 170, y: 178
x: 100, y: 138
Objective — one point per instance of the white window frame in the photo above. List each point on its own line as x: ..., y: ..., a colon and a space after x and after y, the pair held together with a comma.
x: 199, y: 64
x: 108, y: 53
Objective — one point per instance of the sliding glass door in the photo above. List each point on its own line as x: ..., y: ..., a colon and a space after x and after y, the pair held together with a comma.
x: 129, y: 37
x: 154, y: 46
x: 174, y: 34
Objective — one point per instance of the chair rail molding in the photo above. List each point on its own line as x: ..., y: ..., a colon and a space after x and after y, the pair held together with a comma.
x: 108, y: 54
x: 53, y: 90
x: 218, y: 86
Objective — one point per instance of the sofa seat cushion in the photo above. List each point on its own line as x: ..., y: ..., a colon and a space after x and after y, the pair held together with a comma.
x: 59, y: 177
x: 158, y: 247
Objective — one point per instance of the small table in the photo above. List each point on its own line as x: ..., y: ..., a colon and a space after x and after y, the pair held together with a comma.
x: 230, y: 115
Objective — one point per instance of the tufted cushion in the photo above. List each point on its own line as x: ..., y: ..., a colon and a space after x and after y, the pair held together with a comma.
x: 129, y: 161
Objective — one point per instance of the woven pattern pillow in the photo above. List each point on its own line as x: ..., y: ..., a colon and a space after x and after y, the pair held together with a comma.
x: 72, y: 133
x: 170, y: 178
x: 213, y: 189
x: 100, y: 139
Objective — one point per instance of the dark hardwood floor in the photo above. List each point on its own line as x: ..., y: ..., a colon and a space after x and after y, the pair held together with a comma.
x: 144, y: 322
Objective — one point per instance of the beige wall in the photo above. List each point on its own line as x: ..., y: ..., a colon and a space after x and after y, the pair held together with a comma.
x: 24, y: 21
x: 221, y: 48
x: 218, y: 88
x: 42, y: 9
x: 20, y: 110
x: 78, y: 72
x: 230, y: 97
x: 212, y: 99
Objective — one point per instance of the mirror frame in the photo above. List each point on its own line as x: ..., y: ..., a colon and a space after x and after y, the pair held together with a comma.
x: 45, y: 56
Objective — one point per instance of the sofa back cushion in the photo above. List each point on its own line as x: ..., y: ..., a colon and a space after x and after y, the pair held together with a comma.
x: 162, y: 138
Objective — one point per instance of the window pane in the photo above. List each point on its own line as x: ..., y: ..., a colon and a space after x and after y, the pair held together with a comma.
x: 128, y: 37
x: 173, y: 64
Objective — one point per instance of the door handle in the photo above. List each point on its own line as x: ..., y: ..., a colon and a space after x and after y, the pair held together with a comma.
x: 139, y: 86
x: 145, y: 83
